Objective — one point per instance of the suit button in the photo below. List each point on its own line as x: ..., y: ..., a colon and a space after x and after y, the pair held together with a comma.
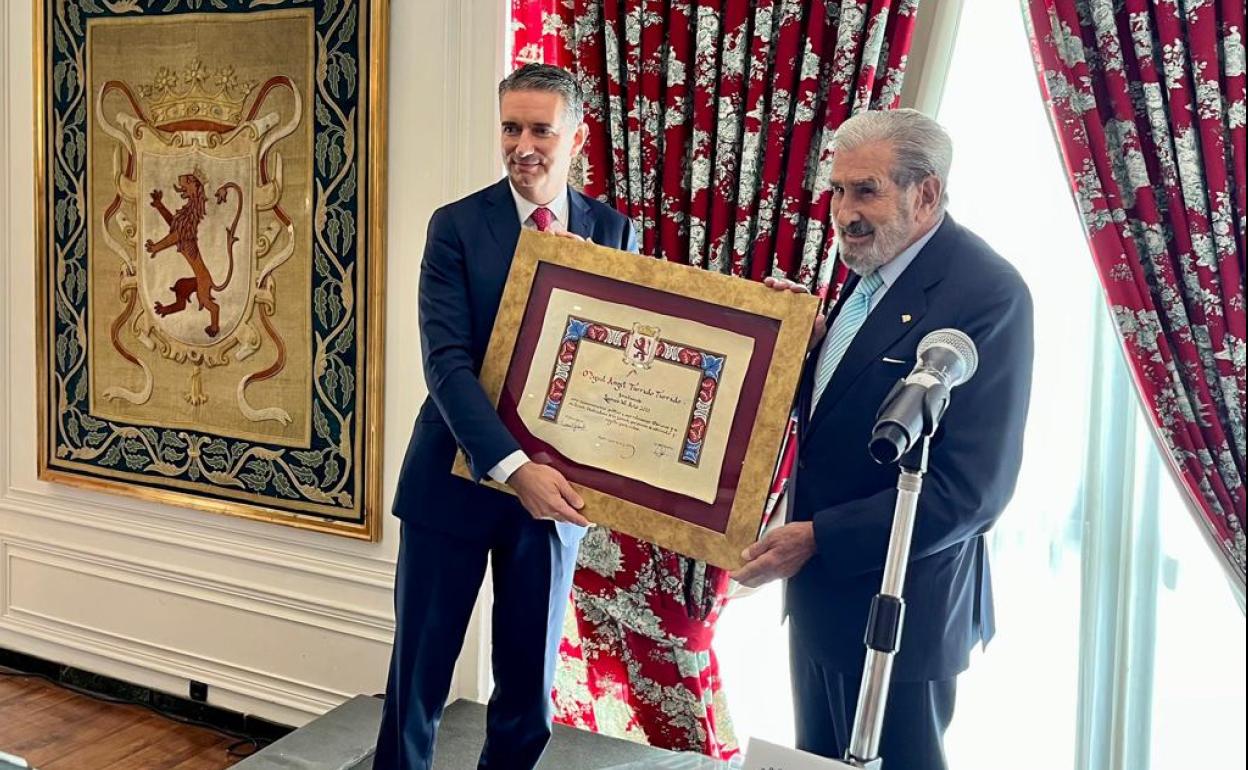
x: 801, y: 465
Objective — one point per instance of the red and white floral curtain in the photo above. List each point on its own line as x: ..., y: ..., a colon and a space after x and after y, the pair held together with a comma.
x: 1147, y: 100
x: 538, y: 32
x: 710, y: 125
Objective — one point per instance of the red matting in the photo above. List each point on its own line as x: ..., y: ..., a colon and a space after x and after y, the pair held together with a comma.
x: 762, y: 330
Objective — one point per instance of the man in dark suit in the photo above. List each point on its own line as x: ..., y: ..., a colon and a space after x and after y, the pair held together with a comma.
x: 450, y: 525
x: 914, y: 270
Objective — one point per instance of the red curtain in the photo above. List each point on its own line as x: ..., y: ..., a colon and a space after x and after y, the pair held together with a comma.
x: 710, y: 125
x: 1147, y: 102
x: 536, y: 32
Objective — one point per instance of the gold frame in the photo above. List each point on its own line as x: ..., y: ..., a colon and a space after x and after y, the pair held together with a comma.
x: 796, y: 314
x: 370, y: 428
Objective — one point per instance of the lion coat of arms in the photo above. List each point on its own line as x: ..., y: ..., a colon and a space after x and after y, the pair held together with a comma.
x: 197, y: 223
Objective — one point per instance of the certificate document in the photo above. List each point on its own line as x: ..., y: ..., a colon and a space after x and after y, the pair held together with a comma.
x: 624, y: 390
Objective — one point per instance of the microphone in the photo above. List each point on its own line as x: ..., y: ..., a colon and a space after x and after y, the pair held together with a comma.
x: 946, y: 358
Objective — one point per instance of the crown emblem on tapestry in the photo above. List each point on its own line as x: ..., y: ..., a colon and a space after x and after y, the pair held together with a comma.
x: 197, y: 93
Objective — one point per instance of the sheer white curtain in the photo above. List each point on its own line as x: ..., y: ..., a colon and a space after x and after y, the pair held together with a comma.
x: 1017, y: 705
x: 1102, y: 583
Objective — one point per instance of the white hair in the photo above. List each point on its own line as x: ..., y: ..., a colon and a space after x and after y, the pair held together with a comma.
x: 921, y: 145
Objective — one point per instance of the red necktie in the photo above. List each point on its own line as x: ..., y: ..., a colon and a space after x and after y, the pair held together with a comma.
x: 542, y: 217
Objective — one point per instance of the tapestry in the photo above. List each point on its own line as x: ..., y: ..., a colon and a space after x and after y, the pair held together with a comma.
x: 210, y: 266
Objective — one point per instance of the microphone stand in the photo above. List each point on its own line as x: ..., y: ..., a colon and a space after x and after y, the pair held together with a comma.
x: 887, y: 613
x: 884, y: 624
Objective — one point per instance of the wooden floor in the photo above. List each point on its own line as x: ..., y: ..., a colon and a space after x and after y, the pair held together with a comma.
x: 55, y: 729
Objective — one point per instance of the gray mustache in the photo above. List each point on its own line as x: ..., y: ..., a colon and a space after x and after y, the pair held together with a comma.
x: 858, y: 229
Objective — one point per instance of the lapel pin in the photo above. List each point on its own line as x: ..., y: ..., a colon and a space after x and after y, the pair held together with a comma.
x: 905, y: 318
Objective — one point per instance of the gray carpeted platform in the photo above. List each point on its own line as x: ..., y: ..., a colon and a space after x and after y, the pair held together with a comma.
x: 343, y: 740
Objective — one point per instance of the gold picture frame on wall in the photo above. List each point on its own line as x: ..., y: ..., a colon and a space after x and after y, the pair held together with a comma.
x: 210, y: 205
x: 661, y: 391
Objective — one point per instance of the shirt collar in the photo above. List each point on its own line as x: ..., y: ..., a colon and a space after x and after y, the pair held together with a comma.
x: 893, y: 269
x: 526, y: 207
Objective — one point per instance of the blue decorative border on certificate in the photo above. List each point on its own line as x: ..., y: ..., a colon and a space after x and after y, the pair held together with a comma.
x: 711, y: 365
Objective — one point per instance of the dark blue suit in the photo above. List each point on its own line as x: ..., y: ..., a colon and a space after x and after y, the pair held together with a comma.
x: 955, y: 281
x: 450, y: 524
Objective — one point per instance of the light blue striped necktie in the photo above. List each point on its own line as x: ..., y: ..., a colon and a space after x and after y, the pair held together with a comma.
x: 848, y: 321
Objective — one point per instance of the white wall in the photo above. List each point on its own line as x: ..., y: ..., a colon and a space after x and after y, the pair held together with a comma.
x: 279, y: 622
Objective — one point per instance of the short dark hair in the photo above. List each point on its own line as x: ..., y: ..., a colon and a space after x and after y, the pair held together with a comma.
x: 551, y: 79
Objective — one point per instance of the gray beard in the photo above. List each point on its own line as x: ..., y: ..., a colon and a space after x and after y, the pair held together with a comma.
x: 866, y: 261
x: 889, y: 241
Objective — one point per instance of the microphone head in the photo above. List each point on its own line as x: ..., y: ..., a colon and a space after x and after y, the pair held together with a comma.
x: 956, y: 344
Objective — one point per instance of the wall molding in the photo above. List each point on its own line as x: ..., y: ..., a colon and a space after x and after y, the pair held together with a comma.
x: 310, y: 701
x: 286, y: 699
x: 287, y: 696
x: 175, y: 528
x: 308, y: 610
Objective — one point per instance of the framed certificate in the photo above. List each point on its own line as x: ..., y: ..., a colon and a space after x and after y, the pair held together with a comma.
x: 661, y: 391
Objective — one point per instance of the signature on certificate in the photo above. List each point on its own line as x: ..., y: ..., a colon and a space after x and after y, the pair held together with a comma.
x: 626, y: 449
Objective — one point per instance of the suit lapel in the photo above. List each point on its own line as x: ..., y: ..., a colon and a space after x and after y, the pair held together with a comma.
x: 881, y: 329
x: 900, y: 310
x: 501, y: 218
x: 582, y: 222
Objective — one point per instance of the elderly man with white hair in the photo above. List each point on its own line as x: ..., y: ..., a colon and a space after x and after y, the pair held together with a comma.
x: 915, y: 270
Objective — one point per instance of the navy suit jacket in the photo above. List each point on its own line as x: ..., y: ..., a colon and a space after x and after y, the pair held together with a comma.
x: 955, y: 281
x: 468, y: 252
